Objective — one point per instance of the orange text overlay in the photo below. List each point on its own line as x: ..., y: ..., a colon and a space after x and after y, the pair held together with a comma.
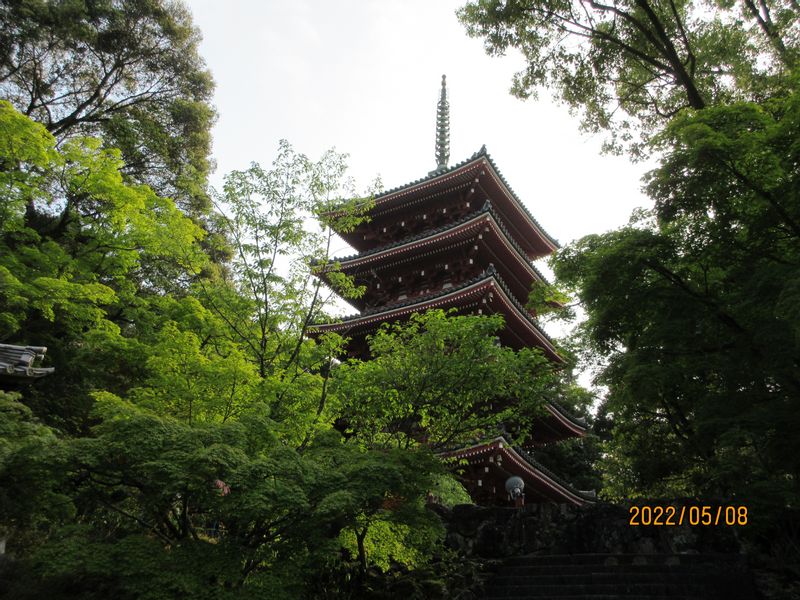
x: 666, y: 516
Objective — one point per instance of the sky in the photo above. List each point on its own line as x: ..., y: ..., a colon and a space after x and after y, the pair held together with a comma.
x: 364, y: 77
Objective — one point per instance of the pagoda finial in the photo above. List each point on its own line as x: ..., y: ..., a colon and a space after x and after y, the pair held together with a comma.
x: 442, y: 128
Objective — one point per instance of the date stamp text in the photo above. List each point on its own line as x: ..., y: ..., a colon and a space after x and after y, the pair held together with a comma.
x: 666, y: 516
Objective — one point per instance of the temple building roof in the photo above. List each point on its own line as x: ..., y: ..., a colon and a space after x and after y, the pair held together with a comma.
x: 483, y: 224
x: 493, y: 461
x: 16, y: 363
x: 573, y: 426
x: 485, y: 289
x: 479, y: 169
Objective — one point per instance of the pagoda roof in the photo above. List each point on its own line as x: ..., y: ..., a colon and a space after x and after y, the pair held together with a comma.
x: 517, y: 462
x: 433, y: 238
x: 556, y: 425
x: 16, y: 363
x: 462, y: 172
x: 574, y: 425
x: 470, y: 290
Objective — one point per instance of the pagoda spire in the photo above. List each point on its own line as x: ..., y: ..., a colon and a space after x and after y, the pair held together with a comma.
x: 442, y: 128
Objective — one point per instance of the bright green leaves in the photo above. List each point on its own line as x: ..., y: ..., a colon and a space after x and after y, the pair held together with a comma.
x: 30, y: 295
x: 86, y: 233
x: 81, y: 253
x: 125, y: 225
x: 196, y: 382
x: 628, y: 67
x: 81, y: 302
x: 22, y: 141
x: 26, y: 150
x: 272, y: 221
x: 442, y: 379
x: 690, y: 311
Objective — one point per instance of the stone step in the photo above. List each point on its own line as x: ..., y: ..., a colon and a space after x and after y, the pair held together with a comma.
x: 604, y: 576
x: 605, y: 597
x: 609, y: 589
x: 583, y: 577
x: 623, y: 559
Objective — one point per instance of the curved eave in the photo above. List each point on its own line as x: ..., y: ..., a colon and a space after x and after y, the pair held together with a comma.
x: 546, y: 430
x: 570, y: 425
x: 526, y: 331
x: 483, y: 222
x: 536, y: 240
x: 533, y: 474
x: 557, y: 425
x: 16, y: 363
x: 20, y: 374
x: 473, y: 289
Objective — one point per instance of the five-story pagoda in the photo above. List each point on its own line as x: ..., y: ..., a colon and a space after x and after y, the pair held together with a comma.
x: 460, y: 238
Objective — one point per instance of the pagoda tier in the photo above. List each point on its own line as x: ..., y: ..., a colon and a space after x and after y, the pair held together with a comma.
x: 445, y: 196
x: 437, y: 259
x: 486, y: 293
x: 459, y: 239
x: 487, y: 466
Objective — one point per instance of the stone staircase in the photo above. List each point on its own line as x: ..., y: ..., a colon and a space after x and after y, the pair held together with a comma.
x: 622, y: 576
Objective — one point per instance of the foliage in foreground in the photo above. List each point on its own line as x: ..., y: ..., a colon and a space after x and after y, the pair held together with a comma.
x: 126, y: 72
x: 428, y: 380
x: 190, y: 420
x: 155, y: 497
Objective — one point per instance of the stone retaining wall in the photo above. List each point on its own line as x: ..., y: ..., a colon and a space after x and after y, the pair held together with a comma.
x: 491, y: 532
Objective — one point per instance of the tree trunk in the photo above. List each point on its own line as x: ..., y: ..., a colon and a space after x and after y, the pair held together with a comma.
x: 362, y: 553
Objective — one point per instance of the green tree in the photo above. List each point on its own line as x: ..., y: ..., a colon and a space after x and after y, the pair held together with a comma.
x: 442, y: 380
x: 158, y: 496
x: 127, y: 72
x: 191, y: 423
x: 628, y: 67
x: 192, y: 382
x: 694, y: 307
x: 279, y: 220
x: 32, y: 459
x: 101, y: 251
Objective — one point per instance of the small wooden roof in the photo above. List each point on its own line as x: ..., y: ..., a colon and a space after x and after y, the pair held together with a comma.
x: 16, y: 363
x: 540, y: 483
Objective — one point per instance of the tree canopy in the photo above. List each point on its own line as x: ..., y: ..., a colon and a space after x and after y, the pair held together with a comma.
x: 703, y: 349
x: 691, y: 315
x: 444, y: 380
x: 628, y: 67
x: 126, y: 72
